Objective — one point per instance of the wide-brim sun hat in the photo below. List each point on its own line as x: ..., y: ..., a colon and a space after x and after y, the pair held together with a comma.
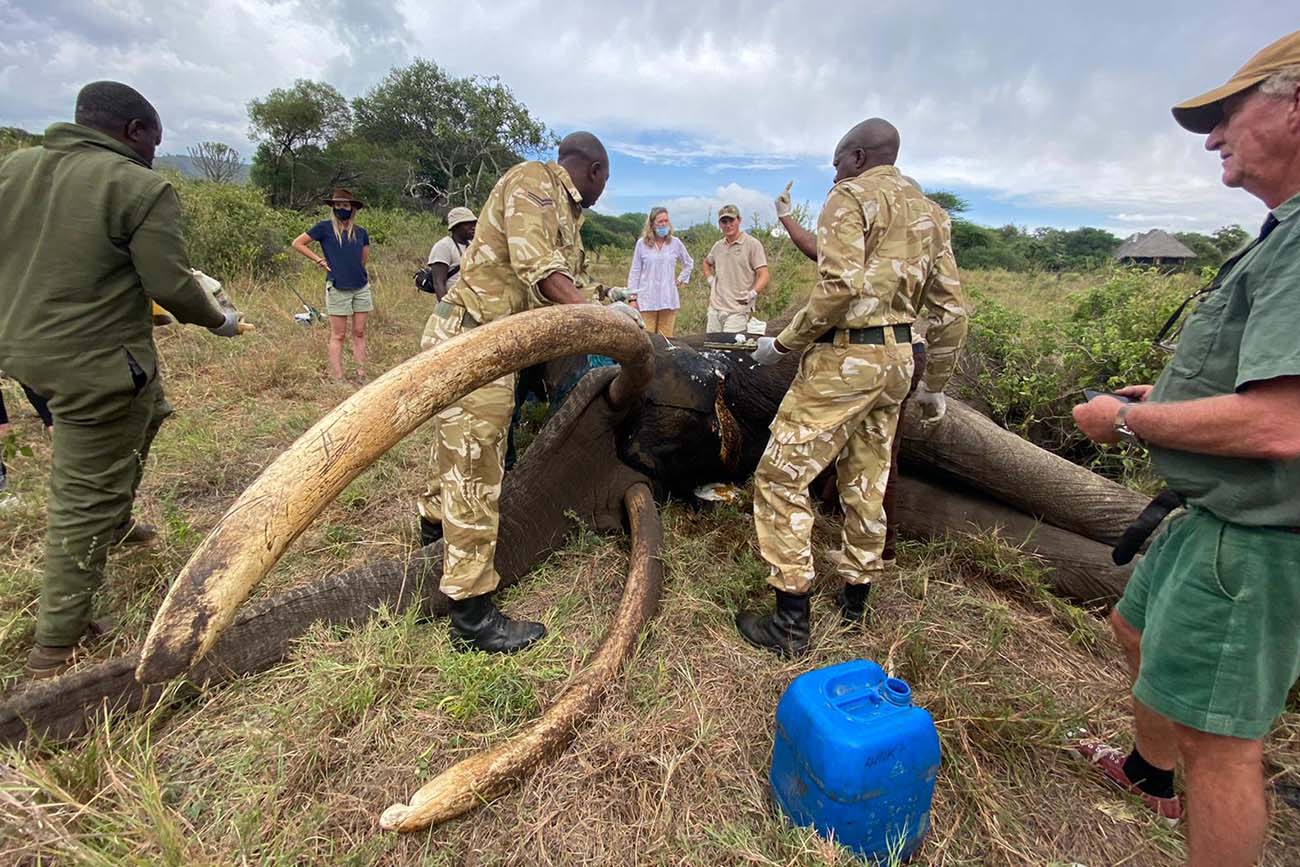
x: 342, y: 194
x: 459, y: 215
x: 1203, y: 113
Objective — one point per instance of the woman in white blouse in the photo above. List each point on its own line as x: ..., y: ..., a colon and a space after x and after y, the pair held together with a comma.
x: 654, y: 274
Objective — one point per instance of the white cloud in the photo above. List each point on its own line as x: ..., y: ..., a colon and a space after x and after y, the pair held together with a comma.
x: 756, y: 207
x: 1039, y: 104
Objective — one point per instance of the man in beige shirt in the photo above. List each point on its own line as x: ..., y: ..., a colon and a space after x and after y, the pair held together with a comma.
x: 736, y: 269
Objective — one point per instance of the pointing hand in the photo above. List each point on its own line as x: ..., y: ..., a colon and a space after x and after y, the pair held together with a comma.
x: 783, y: 201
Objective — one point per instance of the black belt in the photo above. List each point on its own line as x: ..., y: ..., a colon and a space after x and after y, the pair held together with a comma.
x: 874, y: 335
x: 446, y: 308
x: 1137, y: 533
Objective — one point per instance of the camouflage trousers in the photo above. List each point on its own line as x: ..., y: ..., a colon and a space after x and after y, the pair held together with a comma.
x: 467, y: 460
x: 842, y: 406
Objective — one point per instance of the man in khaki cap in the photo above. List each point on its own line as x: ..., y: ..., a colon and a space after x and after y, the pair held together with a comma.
x: 736, y: 269
x: 1208, y: 620
x: 444, y: 258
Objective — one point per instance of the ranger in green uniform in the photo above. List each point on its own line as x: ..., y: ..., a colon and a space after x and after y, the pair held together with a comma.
x: 92, y: 234
x: 1209, y: 619
x: 526, y: 253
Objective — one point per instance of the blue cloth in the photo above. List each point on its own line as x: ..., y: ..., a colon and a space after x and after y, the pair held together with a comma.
x: 346, y: 270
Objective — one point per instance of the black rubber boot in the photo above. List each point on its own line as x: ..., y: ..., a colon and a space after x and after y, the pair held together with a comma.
x: 477, y: 624
x: 429, y: 532
x: 853, y: 604
x: 785, y: 631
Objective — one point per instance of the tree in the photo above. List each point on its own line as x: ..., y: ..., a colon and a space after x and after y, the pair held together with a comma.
x: 309, y: 114
x: 1230, y: 239
x: 459, y: 134
x: 216, y: 161
x: 950, y: 202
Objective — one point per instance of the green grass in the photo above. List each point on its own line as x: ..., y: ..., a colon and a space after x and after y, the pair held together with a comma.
x: 293, y: 766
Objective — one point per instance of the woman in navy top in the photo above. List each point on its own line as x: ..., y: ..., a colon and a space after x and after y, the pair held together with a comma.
x: 346, y: 248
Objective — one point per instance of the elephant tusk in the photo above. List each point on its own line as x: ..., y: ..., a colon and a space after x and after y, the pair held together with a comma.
x: 488, y: 775
x: 275, y: 509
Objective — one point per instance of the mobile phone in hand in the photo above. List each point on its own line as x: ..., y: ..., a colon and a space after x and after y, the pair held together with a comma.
x: 1090, y: 393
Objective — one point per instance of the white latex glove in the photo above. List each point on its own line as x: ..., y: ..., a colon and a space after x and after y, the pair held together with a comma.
x: 783, y: 201
x: 618, y: 293
x: 931, y: 405
x: 767, y: 353
x: 712, y: 279
x: 751, y: 298
x: 629, y: 311
x: 230, y: 327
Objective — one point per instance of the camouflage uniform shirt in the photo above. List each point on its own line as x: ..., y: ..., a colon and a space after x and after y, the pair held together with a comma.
x: 876, y: 245
x: 528, y: 229
x: 941, y: 298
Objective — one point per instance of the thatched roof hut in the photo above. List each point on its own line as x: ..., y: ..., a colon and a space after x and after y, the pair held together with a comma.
x: 1156, y: 247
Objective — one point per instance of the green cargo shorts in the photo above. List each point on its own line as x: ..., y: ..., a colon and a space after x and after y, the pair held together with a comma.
x: 1218, y: 606
x: 345, y: 302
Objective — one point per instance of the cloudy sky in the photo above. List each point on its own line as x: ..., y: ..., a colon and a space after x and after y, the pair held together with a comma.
x: 1037, y: 113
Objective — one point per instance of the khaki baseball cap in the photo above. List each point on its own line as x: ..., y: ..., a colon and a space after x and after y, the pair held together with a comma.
x: 728, y: 211
x: 1204, y: 112
x: 456, y: 216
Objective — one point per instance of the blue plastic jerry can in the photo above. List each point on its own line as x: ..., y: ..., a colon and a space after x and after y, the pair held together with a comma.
x: 855, y: 760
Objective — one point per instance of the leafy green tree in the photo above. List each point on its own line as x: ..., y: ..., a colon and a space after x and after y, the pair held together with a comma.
x: 950, y: 202
x: 1230, y: 239
x: 457, y: 134
x: 311, y: 114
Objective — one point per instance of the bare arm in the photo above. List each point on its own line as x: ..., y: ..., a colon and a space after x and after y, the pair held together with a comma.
x: 440, y: 270
x: 804, y: 240
x: 559, y: 287
x: 1261, y: 422
x: 762, y: 276
x: 365, y: 255
x: 302, y: 245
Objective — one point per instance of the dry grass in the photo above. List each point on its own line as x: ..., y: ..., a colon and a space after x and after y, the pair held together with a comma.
x: 293, y: 766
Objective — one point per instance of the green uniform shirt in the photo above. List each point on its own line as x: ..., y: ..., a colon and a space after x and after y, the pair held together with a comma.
x: 1245, y: 331
x: 90, y: 235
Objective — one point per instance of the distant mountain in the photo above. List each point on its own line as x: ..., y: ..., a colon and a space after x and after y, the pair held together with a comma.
x: 184, y: 164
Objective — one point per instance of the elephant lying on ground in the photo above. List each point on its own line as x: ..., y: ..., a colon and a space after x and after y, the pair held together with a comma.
x: 702, y: 418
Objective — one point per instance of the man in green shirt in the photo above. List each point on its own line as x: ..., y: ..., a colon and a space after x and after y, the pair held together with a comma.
x: 92, y: 234
x: 1210, y: 621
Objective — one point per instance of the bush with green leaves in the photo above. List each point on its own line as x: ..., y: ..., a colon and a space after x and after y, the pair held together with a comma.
x: 1031, y: 371
x: 230, y: 229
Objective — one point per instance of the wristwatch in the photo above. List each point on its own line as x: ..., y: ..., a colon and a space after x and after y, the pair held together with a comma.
x: 1121, y: 426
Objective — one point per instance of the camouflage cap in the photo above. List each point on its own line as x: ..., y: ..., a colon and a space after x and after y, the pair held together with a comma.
x: 1201, y: 114
x: 456, y: 216
x: 728, y: 211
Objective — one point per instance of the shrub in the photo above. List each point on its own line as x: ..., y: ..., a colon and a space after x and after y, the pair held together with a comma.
x: 230, y: 229
x: 1031, y: 371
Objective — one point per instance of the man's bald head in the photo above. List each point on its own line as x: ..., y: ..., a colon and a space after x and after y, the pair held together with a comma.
x: 874, y: 142
x: 122, y: 112
x: 584, y: 157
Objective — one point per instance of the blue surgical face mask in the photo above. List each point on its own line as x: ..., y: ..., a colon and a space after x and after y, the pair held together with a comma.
x: 343, y: 214
x: 662, y: 231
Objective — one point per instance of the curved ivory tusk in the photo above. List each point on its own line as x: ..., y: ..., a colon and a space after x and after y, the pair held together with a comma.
x: 253, y: 534
x: 487, y: 775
